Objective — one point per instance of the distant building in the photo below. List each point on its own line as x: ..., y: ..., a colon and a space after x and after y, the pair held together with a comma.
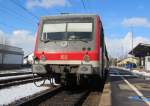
x: 10, y: 56
x: 127, y: 62
x: 142, y: 51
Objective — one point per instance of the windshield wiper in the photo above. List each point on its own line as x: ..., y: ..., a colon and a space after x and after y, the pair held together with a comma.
x: 45, y: 41
x: 83, y: 40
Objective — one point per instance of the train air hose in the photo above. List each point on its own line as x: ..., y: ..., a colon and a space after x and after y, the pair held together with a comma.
x: 36, y: 82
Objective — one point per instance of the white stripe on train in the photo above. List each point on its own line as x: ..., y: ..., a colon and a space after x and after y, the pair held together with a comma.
x: 71, y: 62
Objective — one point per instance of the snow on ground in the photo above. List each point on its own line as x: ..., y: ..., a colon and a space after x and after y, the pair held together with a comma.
x: 137, y: 72
x: 9, y: 95
x: 142, y: 73
x: 16, y: 71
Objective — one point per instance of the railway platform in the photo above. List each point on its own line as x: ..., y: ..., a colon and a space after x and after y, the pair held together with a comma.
x: 123, y: 88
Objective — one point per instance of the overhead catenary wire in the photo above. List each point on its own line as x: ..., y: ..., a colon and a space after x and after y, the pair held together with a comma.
x: 18, y: 17
x: 83, y: 4
x: 8, y: 26
x: 23, y: 8
x: 15, y: 13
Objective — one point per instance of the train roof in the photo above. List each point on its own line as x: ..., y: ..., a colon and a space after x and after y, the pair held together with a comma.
x: 68, y: 16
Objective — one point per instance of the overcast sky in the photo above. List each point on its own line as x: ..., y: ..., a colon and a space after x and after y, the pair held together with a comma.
x: 19, y: 18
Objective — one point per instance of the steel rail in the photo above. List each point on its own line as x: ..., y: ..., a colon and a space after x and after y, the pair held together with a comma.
x: 36, y: 99
x: 17, y: 81
x: 14, y: 74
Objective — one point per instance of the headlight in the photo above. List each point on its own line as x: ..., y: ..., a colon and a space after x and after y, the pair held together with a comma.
x: 43, y: 58
x: 36, y: 60
x: 86, y: 58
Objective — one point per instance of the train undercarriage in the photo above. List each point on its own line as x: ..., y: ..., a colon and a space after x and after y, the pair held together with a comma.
x: 69, y: 75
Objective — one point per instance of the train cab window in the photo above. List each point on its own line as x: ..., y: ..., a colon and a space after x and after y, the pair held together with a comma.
x: 54, y: 31
x: 67, y: 31
x: 79, y: 31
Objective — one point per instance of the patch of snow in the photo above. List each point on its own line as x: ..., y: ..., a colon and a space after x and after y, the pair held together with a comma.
x: 53, y: 81
x: 11, y: 94
x: 137, y: 72
x: 147, y: 74
x: 141, y: 73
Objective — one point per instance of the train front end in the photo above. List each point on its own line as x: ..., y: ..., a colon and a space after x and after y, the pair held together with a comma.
x: 67, y: 47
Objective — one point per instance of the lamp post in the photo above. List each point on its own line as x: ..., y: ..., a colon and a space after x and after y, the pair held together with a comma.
x: 132, y: 45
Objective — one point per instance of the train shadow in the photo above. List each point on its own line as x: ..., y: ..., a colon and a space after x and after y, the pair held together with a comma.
x: 95, y: 86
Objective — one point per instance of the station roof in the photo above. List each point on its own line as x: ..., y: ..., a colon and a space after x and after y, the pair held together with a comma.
x: 141, y: 50
x: 10, y: 49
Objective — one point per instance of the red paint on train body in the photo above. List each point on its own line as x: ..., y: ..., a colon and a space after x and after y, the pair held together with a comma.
x: 78, y: 55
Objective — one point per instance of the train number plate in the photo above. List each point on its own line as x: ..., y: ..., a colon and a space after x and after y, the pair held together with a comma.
x: 63, y: 57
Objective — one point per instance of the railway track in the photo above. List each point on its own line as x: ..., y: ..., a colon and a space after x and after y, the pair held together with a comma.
x: 38, y: 98
x: 85, y: 95
x: 14, y: 74
x: 73, y: 97
x: 64, y: 96
x: 16, y: 79
x: 55, y: 97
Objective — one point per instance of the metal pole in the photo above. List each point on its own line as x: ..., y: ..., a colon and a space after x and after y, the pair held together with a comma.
x: 132, y: 44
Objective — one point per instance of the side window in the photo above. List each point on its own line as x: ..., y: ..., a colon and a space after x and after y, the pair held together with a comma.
x: 149, y: 59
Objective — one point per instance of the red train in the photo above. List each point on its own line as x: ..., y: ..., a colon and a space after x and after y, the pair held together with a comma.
x: 70, y: 48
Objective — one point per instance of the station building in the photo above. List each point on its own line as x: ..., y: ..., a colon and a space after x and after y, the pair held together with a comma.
x: 142, y: 51
x: 10, y: 56
x: 134, y: 61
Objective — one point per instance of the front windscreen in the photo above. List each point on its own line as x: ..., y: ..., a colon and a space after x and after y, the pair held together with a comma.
x: 67, y: 31
x: 77, y: 31
x: 54, y: 31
